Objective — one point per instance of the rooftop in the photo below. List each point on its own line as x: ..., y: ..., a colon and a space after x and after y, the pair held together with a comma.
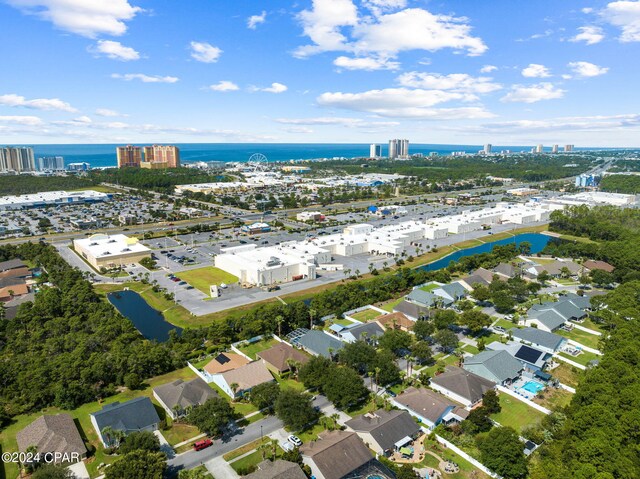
x: 386, y: 427
x: 101, y: 245
x: 225, y: 362
x: 52, y: 434
x: 463, y: 383
x: 337, y: 453
x: 279, y: 354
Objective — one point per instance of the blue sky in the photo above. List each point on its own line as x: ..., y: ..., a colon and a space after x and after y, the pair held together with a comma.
x: 463, y: 72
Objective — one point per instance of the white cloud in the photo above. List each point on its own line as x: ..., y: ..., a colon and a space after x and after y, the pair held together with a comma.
x: 298, y: 130
x: 587, y: 123
x: 205, y: 52
x: 115, y: 50
x: 88, y: 18
x: 385, y: 34
x: 535, y: 70
x: 586, y: 69
x: 21, y: 120
x: 589, y: 34
x: 107, y: 112
x: 365, y: 63
x: 274, y: 88
x: 224, y: 85
x: 532, y: 93
x: 460, y: 82
x: 145, y: 78
x: 404, y: 103
x: 36, y: 104
x: 337, y: 121
x: 488, y: 69
x: 254, y: 20
x: 587, y: 10
x: 626, y: 15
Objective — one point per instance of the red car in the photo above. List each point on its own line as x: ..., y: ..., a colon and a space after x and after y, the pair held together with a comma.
x: 200, y: 445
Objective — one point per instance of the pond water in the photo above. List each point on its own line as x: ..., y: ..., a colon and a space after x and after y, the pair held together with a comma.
x: 538, y: 242
x: 147, y: 320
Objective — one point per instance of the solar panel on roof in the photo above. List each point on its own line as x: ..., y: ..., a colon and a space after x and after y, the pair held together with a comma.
x: 528, y: 354
x: 222, y: 359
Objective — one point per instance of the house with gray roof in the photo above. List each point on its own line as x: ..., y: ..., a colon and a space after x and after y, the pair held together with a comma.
x: 411, y: 310
x: 135, y: 415
x: 317, y: 343
x: 277, y: 469
x: 429, y: 407
x: 532, y: 359
x: 428, y: 299
x: 455, y: 291
x: 553, y: 315
x: 53, y: 434
x: 385, y: 431
x: 496, y: 366
x: 461, y: 385
x: 178, y: 397
x: 366, y: 331
x: 554, y: 269
x: 538, y: 338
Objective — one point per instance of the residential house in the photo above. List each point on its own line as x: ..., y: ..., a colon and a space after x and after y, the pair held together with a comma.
x: 178, y: 397
x: 552, y: 315
x: 224, y: 362
x: 429, y: 407
x: 542, y: 340
x: 315, y: 342
x: 452, y: 291
x: 53, y: 434
x: 555, y: 268
x: 279, y: 357
x: 12, y: 264
x: 135, y: 415
x: 11, y: 306
x: 591, y: 264
x: 508, y: 270
x: 385, y: 431
x: 22, y: 273
x: 480, y: 276
x: 462, y: 386
x: 428, y: 299
x: 237, y: 382
x: 366, y: 331
x: 532, y: 359
x: 341, y: 455
x: 12, y: 287
x: 496, y: 366
x: 395, y: 321
x: 277, y: 469
x: 411, y: 310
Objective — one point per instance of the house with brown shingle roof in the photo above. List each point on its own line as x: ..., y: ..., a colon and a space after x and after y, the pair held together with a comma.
x: 591, y: 264
x: 244, y: 378
x: 53, y: 434
x: 461, y: 385
x: 278, y: 357
x: 224, y: 362
x: 429, y: 407
x: 277, y: 469
x: 178, y: 396
x: 395, y: 320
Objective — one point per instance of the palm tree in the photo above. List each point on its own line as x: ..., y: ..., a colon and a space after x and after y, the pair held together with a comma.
x: 312, y: 315
x: 279, y: 321
x: 234, y: 387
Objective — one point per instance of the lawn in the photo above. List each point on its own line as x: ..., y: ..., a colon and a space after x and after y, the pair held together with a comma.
x: 242, y: 464
x: 202, y: 278
x: 468, y: 348
x: 81, y: 415
x: 452, y: 359
x: 467, y: 470
x: 504, y: 323
x: 230, y: 456
x: 554, y: 398
x: 241, y: 408
x: 567, y: 374
x: 366, y: 315
x: 582, y: 337
x: 252, y: 349
x: 391, y: 304
x: 430, y: 287
x: 589, y: 323
x: 290, y: 384
x: 583, y: 358
x: 516, y: 413
x: 180, y: 432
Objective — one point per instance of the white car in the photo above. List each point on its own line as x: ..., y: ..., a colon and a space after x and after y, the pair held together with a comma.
x: 295, y: 440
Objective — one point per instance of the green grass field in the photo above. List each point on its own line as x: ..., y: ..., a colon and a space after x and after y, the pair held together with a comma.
x: 582, y: 337
x: 583, y: 358
x: 251, y: 349
x: 366, y: 315
x: 202, y: 278
x: 430, y: 287
x: 516, y: 414
x: 566, y: 374
x: 554, y: 398
x: 392, y: 304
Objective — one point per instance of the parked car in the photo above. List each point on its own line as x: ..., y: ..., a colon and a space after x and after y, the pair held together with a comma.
x: 295, y: 440
x: 200, y: 445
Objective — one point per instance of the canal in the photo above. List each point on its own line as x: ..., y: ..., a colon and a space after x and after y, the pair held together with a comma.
x: 147, y: 320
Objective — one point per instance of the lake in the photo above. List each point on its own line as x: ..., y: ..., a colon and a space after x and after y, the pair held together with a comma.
x: 538, y: 242
x: 147, y: 320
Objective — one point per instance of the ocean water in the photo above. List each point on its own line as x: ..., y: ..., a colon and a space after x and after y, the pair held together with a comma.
x: 103, y: 155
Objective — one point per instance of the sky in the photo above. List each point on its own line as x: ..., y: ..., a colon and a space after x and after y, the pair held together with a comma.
x: 506, y: 72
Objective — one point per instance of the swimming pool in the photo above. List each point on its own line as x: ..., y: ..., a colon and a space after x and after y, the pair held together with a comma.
x: 532, y: 386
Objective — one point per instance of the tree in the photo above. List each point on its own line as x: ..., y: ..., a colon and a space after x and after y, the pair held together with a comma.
x: 358, y: 355
x: 445, y: 318
x: 503, y: 302
x: 502, y: 451
x: 384, y: 368
x: 264, y: 396
x: 601, y: 277
x: 49, y: 471
x: 481, y: 292
x: 405, y: 471
x: 475, y: 320
x: 344, y: 387
x: 423, y: 329
x: 212, y: 417
x: 132, y: 381
x: 447, y: 339
x: 477, y: 421
x: 543, y: 277
x: 421, y: 351
x: 491, y: 402
x: 313, y: 373
x: 139, y: 440
x: 395, y: 340
x: 295, y: 410
x: 139, y: 464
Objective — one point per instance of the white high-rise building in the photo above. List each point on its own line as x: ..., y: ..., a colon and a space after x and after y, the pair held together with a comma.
x: 554, y: 149
x: 375, y: 151
x: 568, y: 148
x: 17, y: 159
x: 487, y: 149
x: 398, y: 149
x: 54, y: 163
x: 539, y: 148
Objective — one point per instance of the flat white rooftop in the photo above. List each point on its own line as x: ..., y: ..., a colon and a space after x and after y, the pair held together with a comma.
x: 52, y: 197
x: 101, y: 245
